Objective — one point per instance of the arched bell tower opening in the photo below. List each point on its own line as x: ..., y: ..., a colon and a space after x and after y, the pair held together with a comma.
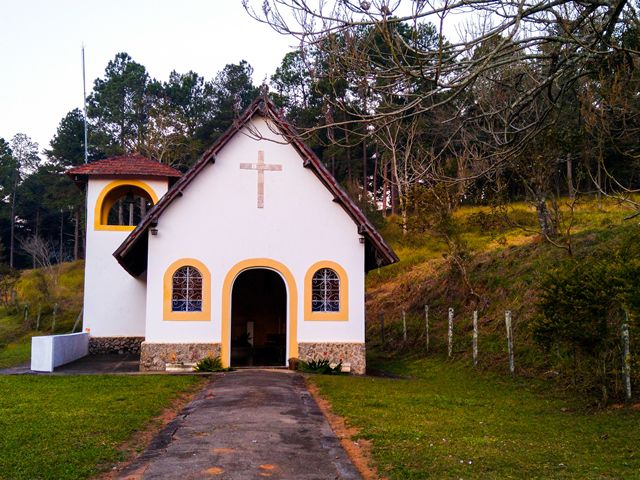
x: 258, y: 319
x: 126, y: 205
x: 122, y: 204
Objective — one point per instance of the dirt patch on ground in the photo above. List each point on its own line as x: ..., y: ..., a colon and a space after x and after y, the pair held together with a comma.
x: 137, y: 443
x: 359, y: 451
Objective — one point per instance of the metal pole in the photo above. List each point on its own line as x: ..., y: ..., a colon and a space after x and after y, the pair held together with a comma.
x: 84, y: 93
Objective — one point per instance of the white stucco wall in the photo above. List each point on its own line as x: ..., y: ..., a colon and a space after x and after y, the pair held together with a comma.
x: 114, y: 301
x: 217, y: 222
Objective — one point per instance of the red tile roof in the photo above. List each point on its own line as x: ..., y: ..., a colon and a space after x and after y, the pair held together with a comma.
x: 132, y: 165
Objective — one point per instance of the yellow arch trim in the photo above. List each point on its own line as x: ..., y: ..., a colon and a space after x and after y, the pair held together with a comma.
x: 292, y: 294
x: 340, y: 316
x: 104, y: 204
x: 205, y: 314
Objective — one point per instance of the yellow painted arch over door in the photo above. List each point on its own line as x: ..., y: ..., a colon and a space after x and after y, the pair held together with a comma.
x: 292, y: 301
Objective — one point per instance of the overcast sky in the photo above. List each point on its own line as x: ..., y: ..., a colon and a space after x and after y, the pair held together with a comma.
x: 41, y: 40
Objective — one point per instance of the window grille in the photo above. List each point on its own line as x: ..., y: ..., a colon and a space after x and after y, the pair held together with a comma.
x: 325, y: 291
x: 187, y: 290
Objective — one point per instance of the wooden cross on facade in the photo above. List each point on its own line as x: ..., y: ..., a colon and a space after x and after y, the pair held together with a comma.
x: 261, y: 167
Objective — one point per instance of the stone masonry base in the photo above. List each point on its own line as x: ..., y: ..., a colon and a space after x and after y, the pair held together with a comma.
x: 102, y: 345
x: 353, y: 353
x: 155, y: 356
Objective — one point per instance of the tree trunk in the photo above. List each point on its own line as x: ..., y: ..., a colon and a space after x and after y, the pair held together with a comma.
x: 346, y: 136
x: 545, y: 219
x: 385, y: 192
x: 599, y: 182
x: 13, y: 226
x: 83, y: 237
x: 375, y: 181
x: 76, y: 234
x: 570, y: 187
x: 364, y: 173
x: 33, y: 255
x: 61, y: 236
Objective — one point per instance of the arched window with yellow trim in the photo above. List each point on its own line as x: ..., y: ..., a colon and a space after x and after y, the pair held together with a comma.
x: 187, y: 291
x: 122, y: 204
x: 326, y: 292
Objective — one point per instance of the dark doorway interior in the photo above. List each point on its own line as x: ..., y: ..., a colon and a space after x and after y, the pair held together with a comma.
x: 258, y: 319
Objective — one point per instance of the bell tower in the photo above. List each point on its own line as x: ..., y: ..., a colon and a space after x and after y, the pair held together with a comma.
x: 120, y: 191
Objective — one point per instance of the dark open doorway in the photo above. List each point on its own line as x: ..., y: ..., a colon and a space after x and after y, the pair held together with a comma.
x: 258, y: 319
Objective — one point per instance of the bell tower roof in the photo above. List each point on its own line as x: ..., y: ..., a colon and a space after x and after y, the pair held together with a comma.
x: 130, y: 165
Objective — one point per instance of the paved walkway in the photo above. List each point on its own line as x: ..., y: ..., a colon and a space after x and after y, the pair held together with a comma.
x: 126, y: 363
x: 245, y: 425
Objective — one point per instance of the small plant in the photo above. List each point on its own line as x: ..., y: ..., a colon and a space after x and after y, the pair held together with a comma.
x: 209, y: 364
x: 321, y: 366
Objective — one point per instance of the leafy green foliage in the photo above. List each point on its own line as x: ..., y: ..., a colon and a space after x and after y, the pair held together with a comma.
x: 321, y: 366
x: 209, y: 364
x: 583, y: 302
x: 120, y: 102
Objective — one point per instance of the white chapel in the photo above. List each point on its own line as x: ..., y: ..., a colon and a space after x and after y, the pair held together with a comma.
x: 255, y: 254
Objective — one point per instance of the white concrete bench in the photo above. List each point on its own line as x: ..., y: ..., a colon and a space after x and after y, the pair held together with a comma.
x: 51, y: 351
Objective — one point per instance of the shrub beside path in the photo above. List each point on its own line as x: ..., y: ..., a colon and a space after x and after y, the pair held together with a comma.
x: 244, y: 425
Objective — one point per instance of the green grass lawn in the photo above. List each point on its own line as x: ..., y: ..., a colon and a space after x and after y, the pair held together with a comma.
x: 16, y: 353
x: 446, y: 421
x: 66, y: 427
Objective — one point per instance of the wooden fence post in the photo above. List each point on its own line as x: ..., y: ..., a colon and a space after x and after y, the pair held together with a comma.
x: 53, y: 321
x: 404, y: 326
x: 626, y: 358
x: 507, y: 321
x: 26, y: 313
x: 75, y: 325
x: 475, y: 338
x: 38, y: 317
x: 426, y: 323
x: 450, y: 332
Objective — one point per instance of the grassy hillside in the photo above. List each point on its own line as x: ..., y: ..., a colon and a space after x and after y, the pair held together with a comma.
x: 505, y: 261
x: 38, y: 302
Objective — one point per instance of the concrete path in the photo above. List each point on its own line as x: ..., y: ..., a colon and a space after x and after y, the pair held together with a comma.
x: 245, y: 425
x: 103, y: 364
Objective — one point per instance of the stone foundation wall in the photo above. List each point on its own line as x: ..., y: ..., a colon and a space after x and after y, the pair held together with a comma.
x: 353, y: 353
x: 155, y: 356
x: 102, y: 345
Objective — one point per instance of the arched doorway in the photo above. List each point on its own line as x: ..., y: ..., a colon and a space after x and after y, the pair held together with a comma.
x: 258, y: 318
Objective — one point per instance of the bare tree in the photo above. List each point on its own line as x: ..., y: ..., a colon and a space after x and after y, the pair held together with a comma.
x: 39, y: 249
x: 497, y: 72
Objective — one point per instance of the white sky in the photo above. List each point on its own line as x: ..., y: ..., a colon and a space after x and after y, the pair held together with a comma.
x: 41, y: 40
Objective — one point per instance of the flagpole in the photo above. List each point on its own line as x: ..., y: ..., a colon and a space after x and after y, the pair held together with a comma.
x: 84, y: 93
